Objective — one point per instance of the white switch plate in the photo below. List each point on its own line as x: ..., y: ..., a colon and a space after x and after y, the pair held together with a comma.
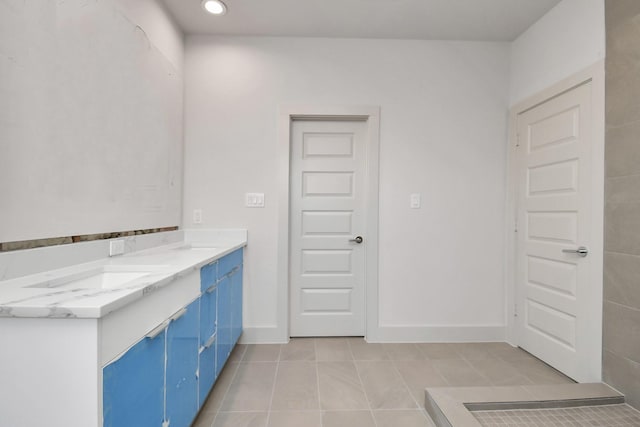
x: 254, y: 200
x: 116, y: 247
x: 415, y: 201
x: 197, y: 216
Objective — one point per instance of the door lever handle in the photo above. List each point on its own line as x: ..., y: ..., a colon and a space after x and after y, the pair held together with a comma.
x: 581, y: 251
x: 357, y: 239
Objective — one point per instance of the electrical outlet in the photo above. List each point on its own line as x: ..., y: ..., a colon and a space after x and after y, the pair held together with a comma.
x: 197, y: 216
x: 116, y: 247
x: 414, y: 201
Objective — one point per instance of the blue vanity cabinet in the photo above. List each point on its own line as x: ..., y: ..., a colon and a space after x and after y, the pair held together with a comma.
x: 181, y: 402
x: 165, y: 377
x: 133, y: 386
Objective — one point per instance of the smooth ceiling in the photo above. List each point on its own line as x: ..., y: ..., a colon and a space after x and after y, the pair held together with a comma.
x: 482, y: 20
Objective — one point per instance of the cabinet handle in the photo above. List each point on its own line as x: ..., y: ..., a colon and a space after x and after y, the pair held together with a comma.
x: 178, y: 315
x: 210, y: 341
x: 158, y: 329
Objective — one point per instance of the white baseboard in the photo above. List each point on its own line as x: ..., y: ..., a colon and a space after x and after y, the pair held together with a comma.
x: 485, y: 333
x: 263, y: 335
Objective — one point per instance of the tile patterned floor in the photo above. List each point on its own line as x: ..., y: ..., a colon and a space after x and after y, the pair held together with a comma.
x: 603, y: 416
x: 336, y: 382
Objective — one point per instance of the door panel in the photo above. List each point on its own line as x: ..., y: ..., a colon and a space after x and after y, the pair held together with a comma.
x: 554, y: 202
x: 328, y: 173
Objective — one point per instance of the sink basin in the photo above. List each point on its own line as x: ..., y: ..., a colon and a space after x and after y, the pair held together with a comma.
x: 106, y: 277
x: 191, y: 246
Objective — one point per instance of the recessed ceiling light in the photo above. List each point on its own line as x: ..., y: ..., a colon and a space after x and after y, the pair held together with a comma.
x: 214, y: 7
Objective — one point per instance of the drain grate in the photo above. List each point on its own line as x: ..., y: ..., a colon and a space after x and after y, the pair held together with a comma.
x: 595, y: 416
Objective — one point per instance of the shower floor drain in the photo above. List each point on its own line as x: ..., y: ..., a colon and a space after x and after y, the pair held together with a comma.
x: 603, y: 416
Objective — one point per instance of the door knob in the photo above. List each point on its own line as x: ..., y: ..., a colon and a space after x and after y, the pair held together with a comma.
x: 357, y: 239
x: 581, y: 251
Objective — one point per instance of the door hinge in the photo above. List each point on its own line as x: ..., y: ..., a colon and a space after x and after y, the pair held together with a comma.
x: 515, y: 225
x: 515, y: 310
x: 517, y: 140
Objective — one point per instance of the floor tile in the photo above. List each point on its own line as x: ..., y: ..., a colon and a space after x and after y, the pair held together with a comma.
x: 296, y: 386
x: 204, y: 419
x: 348, y: 419
x: 332, y: 350
x: 403, y: 352
x: 505, y: 351
x: 459, y: 373
x: 339, y: 381
x: 241, y: 419
x: 340, y: 386
x: 402, y: 418
x: 262, y: 353
x: 473, y: 351
x: 362, y: 350
x: 299, y: 349
x: 500, y: 372
x: 539, y: 372
x: 295, y: 419
x: 384, y: 386
x: 216, y: 396
x: 251, y: 388
x: 437, y: 351
x: 237, y: 353
x: 418, y: 375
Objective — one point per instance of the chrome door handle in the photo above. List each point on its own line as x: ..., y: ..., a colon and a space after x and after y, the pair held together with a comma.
x: 581, y: 251
x: 357, y: 239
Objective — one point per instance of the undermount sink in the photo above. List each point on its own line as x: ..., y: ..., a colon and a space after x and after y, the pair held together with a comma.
x: 106, y: 277
x: 191, y: 246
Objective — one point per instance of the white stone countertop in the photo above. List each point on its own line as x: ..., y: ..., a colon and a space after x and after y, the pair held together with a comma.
x: 64, y: 292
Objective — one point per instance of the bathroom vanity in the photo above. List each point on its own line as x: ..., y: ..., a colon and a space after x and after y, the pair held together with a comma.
x: 136, y: 340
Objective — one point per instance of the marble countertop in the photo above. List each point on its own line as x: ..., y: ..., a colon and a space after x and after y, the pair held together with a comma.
x: 75, y: 291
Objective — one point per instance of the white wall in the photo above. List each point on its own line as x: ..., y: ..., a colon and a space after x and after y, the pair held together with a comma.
x: 568, y: 39
x: 90, y: 117
x: 443, y: 134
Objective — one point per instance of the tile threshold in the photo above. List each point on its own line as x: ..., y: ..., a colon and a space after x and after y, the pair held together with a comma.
x: 452, y: 406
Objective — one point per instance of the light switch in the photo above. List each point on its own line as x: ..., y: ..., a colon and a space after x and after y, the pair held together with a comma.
x: 415, y: 201
x: 254, y: 200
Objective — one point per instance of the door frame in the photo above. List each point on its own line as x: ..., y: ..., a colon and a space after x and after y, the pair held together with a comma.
x: 595, y: 75
x: 370, y: 115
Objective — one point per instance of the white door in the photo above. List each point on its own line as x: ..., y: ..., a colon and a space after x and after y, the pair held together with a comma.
x: 554, y: 154
x: 327, y: 256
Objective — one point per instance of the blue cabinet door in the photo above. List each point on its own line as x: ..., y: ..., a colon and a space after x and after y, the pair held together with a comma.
x: 133, y: 386
x: 208, y: 333
x: 207, y: 370
x: 181, y: 404
x: 208, y: 275
x: 208, y: 314
x: 236, y: 305
x: 223, y: 345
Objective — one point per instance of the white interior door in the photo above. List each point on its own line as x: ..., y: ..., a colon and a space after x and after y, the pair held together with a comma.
x: 327, y: 214
x: 554, y: 220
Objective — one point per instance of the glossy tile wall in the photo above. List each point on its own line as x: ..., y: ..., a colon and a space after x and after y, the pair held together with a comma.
x: 621, y: 329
